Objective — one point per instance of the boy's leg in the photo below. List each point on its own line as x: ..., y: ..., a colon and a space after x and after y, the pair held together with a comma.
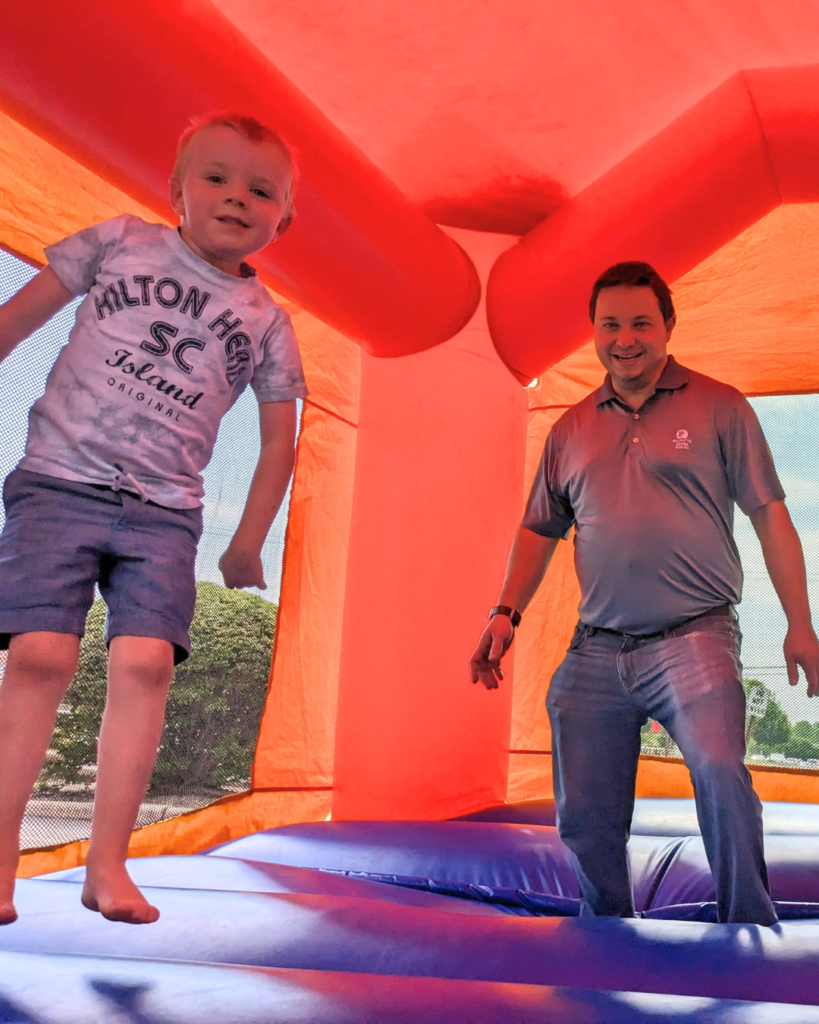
x: 139, y: 675
x: 39, y: 668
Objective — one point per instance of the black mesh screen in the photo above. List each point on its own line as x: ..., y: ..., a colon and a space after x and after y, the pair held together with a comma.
x: 782, y: 723
x: 217, y: 697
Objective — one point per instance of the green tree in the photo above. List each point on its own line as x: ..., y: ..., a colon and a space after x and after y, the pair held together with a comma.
x: 803, y: 742
x: 770, y: 732
x: 805, y: 730
x: 214, y: 707
x: 216, y: 702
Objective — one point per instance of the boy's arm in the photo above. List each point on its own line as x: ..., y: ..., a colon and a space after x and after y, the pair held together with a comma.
x: 30, y: 308
x: 241, y: 564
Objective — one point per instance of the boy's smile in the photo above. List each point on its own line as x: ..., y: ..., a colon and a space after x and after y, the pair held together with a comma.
x: 233, y: 197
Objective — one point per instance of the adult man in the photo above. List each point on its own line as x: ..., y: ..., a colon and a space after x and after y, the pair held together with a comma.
x: 647, y: 469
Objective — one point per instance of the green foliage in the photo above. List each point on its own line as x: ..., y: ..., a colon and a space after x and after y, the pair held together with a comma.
x: 806, y: 731
x: 218, y: 695
x: 771, y: 732
x: 803, y: 742
x: 214, y: 708
x: 805, y: 750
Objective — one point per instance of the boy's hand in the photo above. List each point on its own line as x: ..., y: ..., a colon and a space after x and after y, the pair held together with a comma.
x: 241, y: 567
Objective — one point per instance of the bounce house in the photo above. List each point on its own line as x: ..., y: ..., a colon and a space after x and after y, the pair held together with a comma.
x: 465, y: 173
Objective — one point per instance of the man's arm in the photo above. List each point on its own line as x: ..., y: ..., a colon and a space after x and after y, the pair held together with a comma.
x: 527, y: 564
x: 786, y: 567
x: 241, y: 564
x: 30, y: 308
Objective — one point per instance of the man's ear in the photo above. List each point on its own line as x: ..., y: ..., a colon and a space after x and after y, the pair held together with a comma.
x: 670, y: 324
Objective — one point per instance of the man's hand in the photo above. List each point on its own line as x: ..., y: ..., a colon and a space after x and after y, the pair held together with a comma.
x: 242, y: 567
x: 802, y: 648
x: 782, y: 551
x: 484, y: 665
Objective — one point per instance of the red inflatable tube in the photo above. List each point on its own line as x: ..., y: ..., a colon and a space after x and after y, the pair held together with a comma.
x: 114, y: 84
x: 750, y: 145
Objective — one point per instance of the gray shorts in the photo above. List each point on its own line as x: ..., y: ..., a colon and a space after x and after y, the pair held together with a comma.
x: 62, y: 537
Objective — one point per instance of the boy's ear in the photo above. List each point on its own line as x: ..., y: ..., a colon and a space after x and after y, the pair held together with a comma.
x: 284, y: 223
x: 175, y: 192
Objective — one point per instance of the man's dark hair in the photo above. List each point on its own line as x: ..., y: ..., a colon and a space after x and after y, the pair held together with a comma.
x: 633, y: 274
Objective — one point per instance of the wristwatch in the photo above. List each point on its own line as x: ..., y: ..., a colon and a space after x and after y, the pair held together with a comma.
x: 503, y: 609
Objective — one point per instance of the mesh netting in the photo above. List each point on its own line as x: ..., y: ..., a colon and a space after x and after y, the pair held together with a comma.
x: 782, y: 723
x: 216, y: 701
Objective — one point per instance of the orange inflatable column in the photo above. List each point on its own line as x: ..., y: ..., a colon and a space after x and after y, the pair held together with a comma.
x: 438, y: 490
x: 297, y: 736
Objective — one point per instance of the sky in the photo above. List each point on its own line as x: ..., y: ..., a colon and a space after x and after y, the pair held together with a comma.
x: 790, y: 424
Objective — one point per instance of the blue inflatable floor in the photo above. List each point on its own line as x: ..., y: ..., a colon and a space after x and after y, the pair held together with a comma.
x: 416, y: 921
x: 60, y: 989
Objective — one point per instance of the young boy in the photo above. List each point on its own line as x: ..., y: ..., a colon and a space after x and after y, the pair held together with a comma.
x: 174, y: 325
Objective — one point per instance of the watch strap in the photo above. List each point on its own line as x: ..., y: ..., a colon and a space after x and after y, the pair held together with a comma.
x: 502, y: 609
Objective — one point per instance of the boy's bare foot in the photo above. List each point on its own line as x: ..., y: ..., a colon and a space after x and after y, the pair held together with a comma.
x: 7, y: 912
x: 111, y: 893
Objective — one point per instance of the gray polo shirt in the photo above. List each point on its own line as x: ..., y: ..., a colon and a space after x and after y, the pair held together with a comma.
x: 651, y: 496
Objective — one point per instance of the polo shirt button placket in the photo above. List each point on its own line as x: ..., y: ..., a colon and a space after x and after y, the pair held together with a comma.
x: 635, y: 440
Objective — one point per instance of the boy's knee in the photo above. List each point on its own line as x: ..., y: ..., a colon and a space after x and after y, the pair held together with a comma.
x: 49, y: 658
x: 143, y: 661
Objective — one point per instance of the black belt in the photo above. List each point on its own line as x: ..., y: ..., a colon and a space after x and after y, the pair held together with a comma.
x: 724, y: 611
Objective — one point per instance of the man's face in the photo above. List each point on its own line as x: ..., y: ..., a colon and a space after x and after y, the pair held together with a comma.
x: 630, y: 336
x: 232, y: 196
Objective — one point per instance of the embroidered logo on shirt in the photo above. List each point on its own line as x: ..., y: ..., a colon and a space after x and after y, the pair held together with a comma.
x: 682, y: 440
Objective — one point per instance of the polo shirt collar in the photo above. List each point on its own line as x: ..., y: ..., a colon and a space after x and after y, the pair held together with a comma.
x: 673, y: 377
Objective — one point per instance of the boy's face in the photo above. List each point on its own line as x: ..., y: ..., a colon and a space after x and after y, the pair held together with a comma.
x: 232, y: 196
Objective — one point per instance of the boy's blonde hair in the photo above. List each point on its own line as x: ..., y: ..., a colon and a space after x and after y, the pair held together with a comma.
x: 250, y: 129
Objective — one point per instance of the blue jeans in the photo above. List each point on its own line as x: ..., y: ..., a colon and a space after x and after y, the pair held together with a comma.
x: 689, y: 680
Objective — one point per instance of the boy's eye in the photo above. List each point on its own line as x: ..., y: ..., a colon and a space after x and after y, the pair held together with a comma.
x: 261, y: 192
x: 217, y: 178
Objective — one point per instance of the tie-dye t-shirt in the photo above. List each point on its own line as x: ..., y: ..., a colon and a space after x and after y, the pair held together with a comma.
x: 163, y: 345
